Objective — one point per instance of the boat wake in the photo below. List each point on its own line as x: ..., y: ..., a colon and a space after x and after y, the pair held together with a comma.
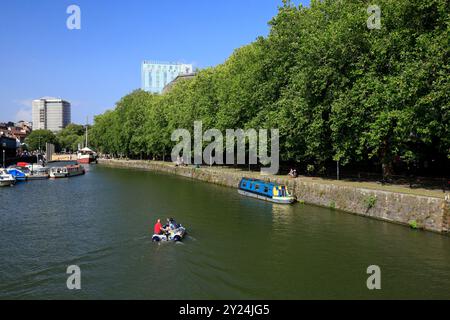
x: 190, y: 238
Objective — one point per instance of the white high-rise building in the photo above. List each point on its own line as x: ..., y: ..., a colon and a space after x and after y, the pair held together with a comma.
x: 156, y: 75
x: 51, y: 114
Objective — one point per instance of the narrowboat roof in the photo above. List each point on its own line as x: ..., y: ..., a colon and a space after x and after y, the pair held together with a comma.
x: 271, y: 184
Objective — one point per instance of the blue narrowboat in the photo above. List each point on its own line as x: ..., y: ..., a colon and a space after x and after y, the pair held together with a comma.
x: 267, y: 191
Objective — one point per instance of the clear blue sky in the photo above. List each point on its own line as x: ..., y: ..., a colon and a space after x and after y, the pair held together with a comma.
x: 97, y: 65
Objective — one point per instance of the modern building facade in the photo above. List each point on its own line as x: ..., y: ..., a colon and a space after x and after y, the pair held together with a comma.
x: 51, y: 114
x: 156, y: 75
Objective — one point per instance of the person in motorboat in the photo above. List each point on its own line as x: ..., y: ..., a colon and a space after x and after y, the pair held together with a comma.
x: 158, y: 229
x: 172, y: 224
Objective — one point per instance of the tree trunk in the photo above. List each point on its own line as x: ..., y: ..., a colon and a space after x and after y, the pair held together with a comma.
x: 386, y: 161
x: 388, y: 169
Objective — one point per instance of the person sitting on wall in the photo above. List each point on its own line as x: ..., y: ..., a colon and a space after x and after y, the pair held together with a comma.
x: 293, y: 173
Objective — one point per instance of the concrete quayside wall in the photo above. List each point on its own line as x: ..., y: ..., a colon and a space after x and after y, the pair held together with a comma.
x: 424, y: 212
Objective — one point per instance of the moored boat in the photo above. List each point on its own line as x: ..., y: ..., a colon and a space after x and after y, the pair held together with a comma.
x: 39, y: 175
x: 6, y: 179
x: 20, y: 174
x: 67, y: 171
x: 35, y: 167
x: 33, y: 171
x: 267, y: 191
x: 86, y: 156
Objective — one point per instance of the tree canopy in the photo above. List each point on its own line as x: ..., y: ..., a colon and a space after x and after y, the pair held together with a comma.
x: 71, y: 137
x: 37, y: 139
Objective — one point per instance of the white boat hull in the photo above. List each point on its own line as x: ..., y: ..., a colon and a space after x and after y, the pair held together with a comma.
x: 6, y: 183
x: 286, y: 200
x: 66, y: 172
x: 86, y: 159
x: 174, y: 236
x: 65, y: 175
x: 38, y: 177
x: 6, y: 180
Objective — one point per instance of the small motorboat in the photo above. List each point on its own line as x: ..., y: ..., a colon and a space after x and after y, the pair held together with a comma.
x: 176, y: 235
x: 267, y: 191
x: 32, y: 171
x: 20, y: 174
x: 67, y: 171
x: 6, y: 179
x: 41, y: 174
x: 34, y: 167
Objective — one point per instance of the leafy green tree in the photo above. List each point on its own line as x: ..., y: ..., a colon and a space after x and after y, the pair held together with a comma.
x: 105, y: 133
x: 71, y: 136
x: 38, y: 138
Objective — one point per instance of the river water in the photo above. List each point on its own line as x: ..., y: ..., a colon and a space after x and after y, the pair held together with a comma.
x: 237, y: 248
